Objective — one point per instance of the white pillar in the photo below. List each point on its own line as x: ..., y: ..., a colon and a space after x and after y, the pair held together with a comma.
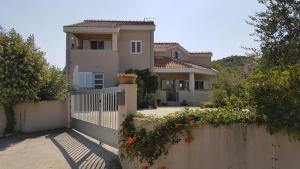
x: 191, y: 81
x: 114, y: 41
x: 130, y: 105
x: 68, y: 46
x: 70, y: 109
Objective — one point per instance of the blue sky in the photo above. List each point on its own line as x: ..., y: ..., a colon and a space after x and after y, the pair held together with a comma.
x: 199, y: 25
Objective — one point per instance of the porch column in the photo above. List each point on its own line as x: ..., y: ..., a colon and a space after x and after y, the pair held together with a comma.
x: 114, y: 41
x: 191, y: 81
x: 68, y: 46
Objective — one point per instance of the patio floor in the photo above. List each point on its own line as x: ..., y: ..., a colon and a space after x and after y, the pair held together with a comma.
x: 63, y: 149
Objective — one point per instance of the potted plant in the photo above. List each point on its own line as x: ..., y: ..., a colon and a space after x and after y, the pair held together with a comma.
x: 126, y: 78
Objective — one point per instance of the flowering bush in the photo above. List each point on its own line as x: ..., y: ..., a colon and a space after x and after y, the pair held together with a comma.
x: 147, y: 146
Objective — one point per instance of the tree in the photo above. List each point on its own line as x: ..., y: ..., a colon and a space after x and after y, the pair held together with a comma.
x: 275, y: 92
x: 54, y: 85
x: 25, y: 75
x: 230, y: 78
x: 273, y: 89
x: 278, y: 30
x: 147, y: 85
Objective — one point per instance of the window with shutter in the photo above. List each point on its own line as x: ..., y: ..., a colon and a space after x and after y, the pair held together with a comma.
x: 90, y: 80
x: 199, y: 85
x: 98, y: 80
x: 136, y: 46
x: 81, y: 79
x: 133, y: 47
x: 206, y: 85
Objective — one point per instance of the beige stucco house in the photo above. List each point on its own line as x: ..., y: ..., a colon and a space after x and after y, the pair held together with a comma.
x: 99, y: 49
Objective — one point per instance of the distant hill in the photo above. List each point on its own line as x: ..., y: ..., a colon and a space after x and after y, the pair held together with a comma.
x: 234, y: 63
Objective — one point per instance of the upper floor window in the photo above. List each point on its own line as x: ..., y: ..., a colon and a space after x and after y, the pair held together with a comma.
x: 175, y: 54
x: 136, y: 46
x: 97, y: 45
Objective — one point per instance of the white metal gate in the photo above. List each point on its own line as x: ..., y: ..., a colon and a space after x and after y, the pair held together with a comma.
x: 95, y: 113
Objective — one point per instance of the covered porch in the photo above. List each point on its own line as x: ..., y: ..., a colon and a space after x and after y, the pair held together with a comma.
x: 183, y: 89
x: 182, y: 83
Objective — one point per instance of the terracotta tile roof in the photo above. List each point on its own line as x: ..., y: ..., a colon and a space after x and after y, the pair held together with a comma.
x: 165, y: 44
x: 167, y: 62
x: 109, y: 23
x: 196, y: 53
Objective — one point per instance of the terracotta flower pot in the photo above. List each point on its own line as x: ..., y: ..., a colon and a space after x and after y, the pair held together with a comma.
x: 127, y: 78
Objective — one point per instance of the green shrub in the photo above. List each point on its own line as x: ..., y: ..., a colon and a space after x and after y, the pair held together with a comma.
x: 276, y: 94
x: 236, y: 103
x: 54, y: 86
x: 147, y: 84
x: 218, y: 97
x: 208, y: 105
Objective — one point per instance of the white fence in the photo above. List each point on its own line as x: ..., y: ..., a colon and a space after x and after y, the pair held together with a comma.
x: 99, y: 107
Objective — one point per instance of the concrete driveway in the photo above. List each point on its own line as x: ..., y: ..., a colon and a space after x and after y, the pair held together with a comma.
x: 61, y: 149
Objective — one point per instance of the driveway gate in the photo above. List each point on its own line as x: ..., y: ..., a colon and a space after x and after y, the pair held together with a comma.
x: 95, y: 113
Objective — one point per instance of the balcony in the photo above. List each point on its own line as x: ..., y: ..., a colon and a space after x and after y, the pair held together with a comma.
x: 93, y: 41
x: 94, y: 57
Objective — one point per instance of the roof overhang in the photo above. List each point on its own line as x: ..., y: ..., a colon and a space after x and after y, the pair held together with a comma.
x: 82, y: 29
x: 211, y: 72
x: 138, y: 27
x: 103, y: 30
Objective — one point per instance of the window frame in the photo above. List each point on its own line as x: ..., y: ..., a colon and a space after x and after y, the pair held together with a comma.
x: 97, y: 44
x: 176, y: 52
x: 186, y: 83
x: 135, y: 43
x: 202, y: 84
x: 94, y: 80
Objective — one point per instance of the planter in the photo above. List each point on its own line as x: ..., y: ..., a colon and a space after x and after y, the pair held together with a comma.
x: 127, y: 78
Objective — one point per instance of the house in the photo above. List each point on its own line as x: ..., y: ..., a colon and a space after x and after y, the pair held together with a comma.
x: 184, y: 76
x: 100, y: 49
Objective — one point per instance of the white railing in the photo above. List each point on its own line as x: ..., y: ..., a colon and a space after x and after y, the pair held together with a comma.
x: 99, y: 107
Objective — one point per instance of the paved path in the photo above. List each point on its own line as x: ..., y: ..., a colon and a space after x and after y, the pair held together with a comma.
x: 56, y: 150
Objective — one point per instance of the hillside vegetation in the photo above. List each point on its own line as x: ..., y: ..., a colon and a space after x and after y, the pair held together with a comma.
x: 231, y: 76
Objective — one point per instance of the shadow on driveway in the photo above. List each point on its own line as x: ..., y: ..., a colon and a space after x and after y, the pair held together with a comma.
x: 83, y: 153
x: 18, y: 137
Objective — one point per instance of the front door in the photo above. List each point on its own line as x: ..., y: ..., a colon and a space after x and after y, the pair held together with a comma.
x: 170, y: 87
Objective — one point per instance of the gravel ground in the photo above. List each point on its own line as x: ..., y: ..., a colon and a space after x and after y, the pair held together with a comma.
x: 60, y: 149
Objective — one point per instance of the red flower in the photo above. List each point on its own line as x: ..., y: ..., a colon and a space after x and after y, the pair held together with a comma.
x: 145, y: 167
x: 190, y: 118
x: 177, y: 124
x: 131, y: 140
x: 188, y: 139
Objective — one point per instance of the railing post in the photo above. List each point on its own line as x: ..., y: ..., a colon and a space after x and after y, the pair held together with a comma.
x: 130, y: 105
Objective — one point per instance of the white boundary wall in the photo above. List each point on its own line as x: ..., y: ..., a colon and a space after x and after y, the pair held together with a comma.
x: 237, y: 146
x: 41, y: 116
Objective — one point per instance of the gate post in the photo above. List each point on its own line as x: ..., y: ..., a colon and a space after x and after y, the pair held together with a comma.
x: 130, y: 102
x: 69, y: 110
